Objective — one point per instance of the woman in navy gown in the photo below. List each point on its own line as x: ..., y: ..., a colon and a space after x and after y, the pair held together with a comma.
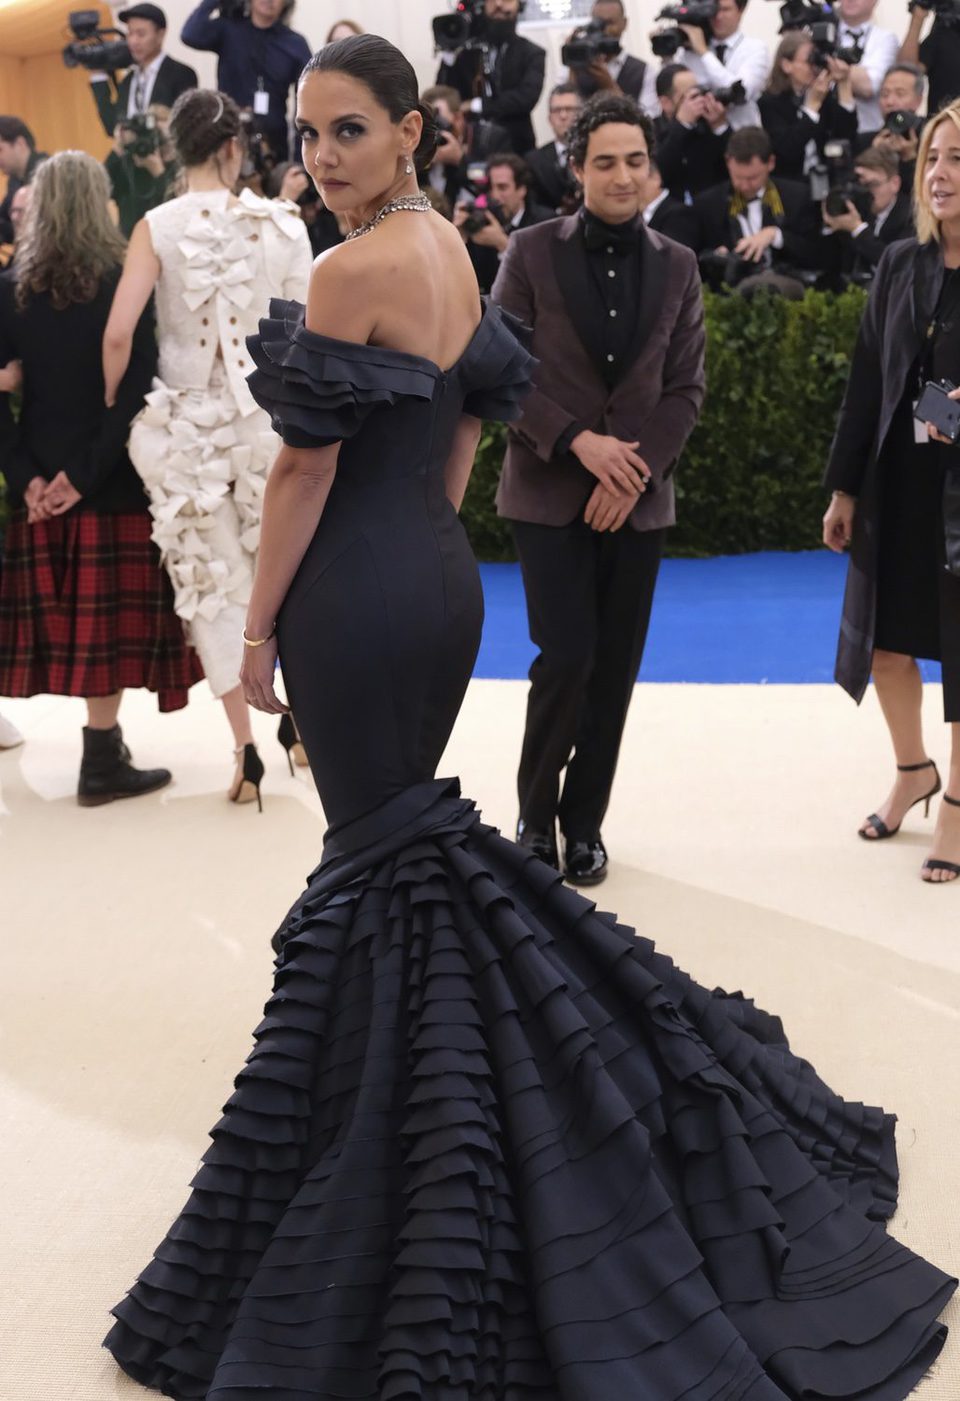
x: 489, y: 1145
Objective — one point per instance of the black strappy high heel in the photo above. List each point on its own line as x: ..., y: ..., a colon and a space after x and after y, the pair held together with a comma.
x: 933, y: 863
x: 250, y: 771
x: 880, y: 828
x: 289, y: 737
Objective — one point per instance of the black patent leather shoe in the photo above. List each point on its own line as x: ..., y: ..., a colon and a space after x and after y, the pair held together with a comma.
x: 585, y: 863
x: 542, y: 844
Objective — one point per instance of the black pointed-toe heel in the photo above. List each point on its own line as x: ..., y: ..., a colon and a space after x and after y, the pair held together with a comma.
x: 881, y: 832
x: 250, y: 771
x: 933, y: 863
x: 289, y: 737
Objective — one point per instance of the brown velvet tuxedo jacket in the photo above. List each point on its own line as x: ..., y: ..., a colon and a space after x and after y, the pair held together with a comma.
x: 545, y: 280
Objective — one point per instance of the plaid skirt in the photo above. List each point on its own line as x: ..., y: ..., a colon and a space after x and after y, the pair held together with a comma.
x: 86, y: 609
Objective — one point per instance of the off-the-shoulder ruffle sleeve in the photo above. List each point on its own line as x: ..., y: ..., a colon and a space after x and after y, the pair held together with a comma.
x: 498, y: 368
x: 318, y: 390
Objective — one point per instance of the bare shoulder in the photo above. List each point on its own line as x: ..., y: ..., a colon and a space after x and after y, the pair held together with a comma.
x: 341, y: 298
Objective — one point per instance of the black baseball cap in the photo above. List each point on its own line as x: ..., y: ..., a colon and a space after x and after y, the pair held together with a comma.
x: 150, y: 12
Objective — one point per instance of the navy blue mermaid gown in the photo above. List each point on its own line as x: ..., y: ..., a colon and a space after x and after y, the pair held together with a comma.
x: 489, y: 1145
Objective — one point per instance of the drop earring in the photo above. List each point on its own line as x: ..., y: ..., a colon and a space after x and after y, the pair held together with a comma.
x: 408, y: 167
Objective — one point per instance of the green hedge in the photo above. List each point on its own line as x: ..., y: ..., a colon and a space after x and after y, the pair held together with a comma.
x: 750, y: 476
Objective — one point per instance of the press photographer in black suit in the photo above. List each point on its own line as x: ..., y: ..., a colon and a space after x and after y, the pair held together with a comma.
x: 502, y: 83
x: 154, y: 80
x: 485, y: 230
x: 553, y: 184
x: 856, y: 243
x: 620, y: 72
x: 691, y: 134
x: 462, y: 143
x: 938, y: 54
x: 666, y: 215
x: 770, y: 225
x: 806, y: 105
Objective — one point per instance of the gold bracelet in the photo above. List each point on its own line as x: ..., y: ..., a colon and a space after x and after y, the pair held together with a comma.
x: 258, y: 641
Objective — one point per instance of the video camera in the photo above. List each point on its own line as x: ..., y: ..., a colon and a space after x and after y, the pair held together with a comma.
x: 833, y: 182
x: 666, y: 42
x: 587, y: 43
x: 140, y: 135
x: 947, y: 12
x: 99, y: 50
x: 463, y: 29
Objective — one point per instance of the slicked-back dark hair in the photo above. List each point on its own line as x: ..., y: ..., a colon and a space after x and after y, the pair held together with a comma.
x: 600, y: 110
x: 389, y: 75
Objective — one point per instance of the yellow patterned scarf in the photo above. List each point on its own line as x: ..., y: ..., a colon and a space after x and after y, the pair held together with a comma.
x: 771, y: 200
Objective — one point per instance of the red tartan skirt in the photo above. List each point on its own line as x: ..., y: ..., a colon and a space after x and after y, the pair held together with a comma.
x: 86, y: 609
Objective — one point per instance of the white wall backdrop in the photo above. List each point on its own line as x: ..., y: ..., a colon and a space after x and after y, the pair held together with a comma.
x: 407, y: 24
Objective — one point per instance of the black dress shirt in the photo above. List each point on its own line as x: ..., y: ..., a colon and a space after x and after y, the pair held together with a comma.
x: 613, y: 257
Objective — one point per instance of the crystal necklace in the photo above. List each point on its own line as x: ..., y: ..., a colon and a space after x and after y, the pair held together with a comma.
x: 419, y: 203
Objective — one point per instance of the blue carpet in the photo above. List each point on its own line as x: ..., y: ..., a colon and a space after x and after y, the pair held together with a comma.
x: 732, y: 620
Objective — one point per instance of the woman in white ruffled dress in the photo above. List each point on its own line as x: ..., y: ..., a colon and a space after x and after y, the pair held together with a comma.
x: 201, y: 445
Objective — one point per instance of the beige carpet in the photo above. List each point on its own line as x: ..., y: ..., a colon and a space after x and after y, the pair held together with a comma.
x: 135, y: 960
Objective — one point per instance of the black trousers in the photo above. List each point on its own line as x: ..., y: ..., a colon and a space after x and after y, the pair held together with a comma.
x: 589, y: 596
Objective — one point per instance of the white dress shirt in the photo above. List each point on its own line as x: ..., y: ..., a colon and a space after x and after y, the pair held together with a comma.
x: 648, y: 100
x: 746, y: 60
x: 880, y: 49
x: 654, y: 205
x: 144, y: 78
x: 751, y: 222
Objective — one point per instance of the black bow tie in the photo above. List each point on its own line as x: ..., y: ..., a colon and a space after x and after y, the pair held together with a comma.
x: 618, y: 238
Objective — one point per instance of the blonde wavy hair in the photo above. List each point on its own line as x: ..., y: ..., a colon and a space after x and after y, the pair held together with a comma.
x: 928, y: 225
x: 69, y: 240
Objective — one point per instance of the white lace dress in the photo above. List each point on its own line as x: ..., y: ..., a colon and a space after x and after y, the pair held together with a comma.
x: 201, y: 445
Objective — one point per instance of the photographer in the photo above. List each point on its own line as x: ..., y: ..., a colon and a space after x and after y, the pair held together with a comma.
x: 612, y: 70
x: 901, y: 97
x: 19, y: 158
x: 500, y: 79
x: 486, y: 228
x: 154, y: 79
x: 260, y: 59
x: 142, y: 166
x: 772, y: 229
x: 858, y: 242
x: 553, y: 182
x: 691, y: 134
x: 462, y: 143
x: 939, y: 53
x: 664, y: 214
x: 879, y: 52
x: 808, y: 102
x: 726, y: 57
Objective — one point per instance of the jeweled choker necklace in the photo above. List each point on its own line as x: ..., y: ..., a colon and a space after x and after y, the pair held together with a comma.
x: 419, y: 203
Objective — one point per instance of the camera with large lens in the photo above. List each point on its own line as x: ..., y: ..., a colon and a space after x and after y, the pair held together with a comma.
x: 99, y: 50
x: 735, y: 95
x: 833, y: 182
x: 720, y: 270
x: 902, y: 123
x: 259, y: 157
x: 825, y: 46
x: 588, y: 43
x: 140, y: 135
x: 666, y: 42
x: 462, y: 29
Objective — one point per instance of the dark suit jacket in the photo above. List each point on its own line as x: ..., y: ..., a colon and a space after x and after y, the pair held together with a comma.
x: 844, y: 254
x: 13, y: 185
x: 691, y: 159
x: 675, y: 220
x: 801, y: 224
x: 173, y: 78
x: 902, y: 302
x: 551, y: 180
x: 517, y: 84
x: 63, y: 424
x: 544, y: 279
x: 630, y: 80
x: 486, y: 261
x: 790, y: 129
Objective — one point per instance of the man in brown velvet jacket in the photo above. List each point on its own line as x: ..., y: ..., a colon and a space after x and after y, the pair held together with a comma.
x: 617, y: 319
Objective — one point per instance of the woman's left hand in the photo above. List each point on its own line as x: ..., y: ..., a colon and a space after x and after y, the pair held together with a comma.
x: 935, y: 433
x: 61, y: 495
x: 257, y: 673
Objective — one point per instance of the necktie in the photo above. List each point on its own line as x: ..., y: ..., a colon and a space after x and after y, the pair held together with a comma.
x: 855, y: 37
x: 721, y: 51
x: 139, y: 91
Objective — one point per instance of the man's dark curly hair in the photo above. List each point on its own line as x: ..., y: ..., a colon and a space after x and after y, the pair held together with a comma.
x: 602, y: 108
